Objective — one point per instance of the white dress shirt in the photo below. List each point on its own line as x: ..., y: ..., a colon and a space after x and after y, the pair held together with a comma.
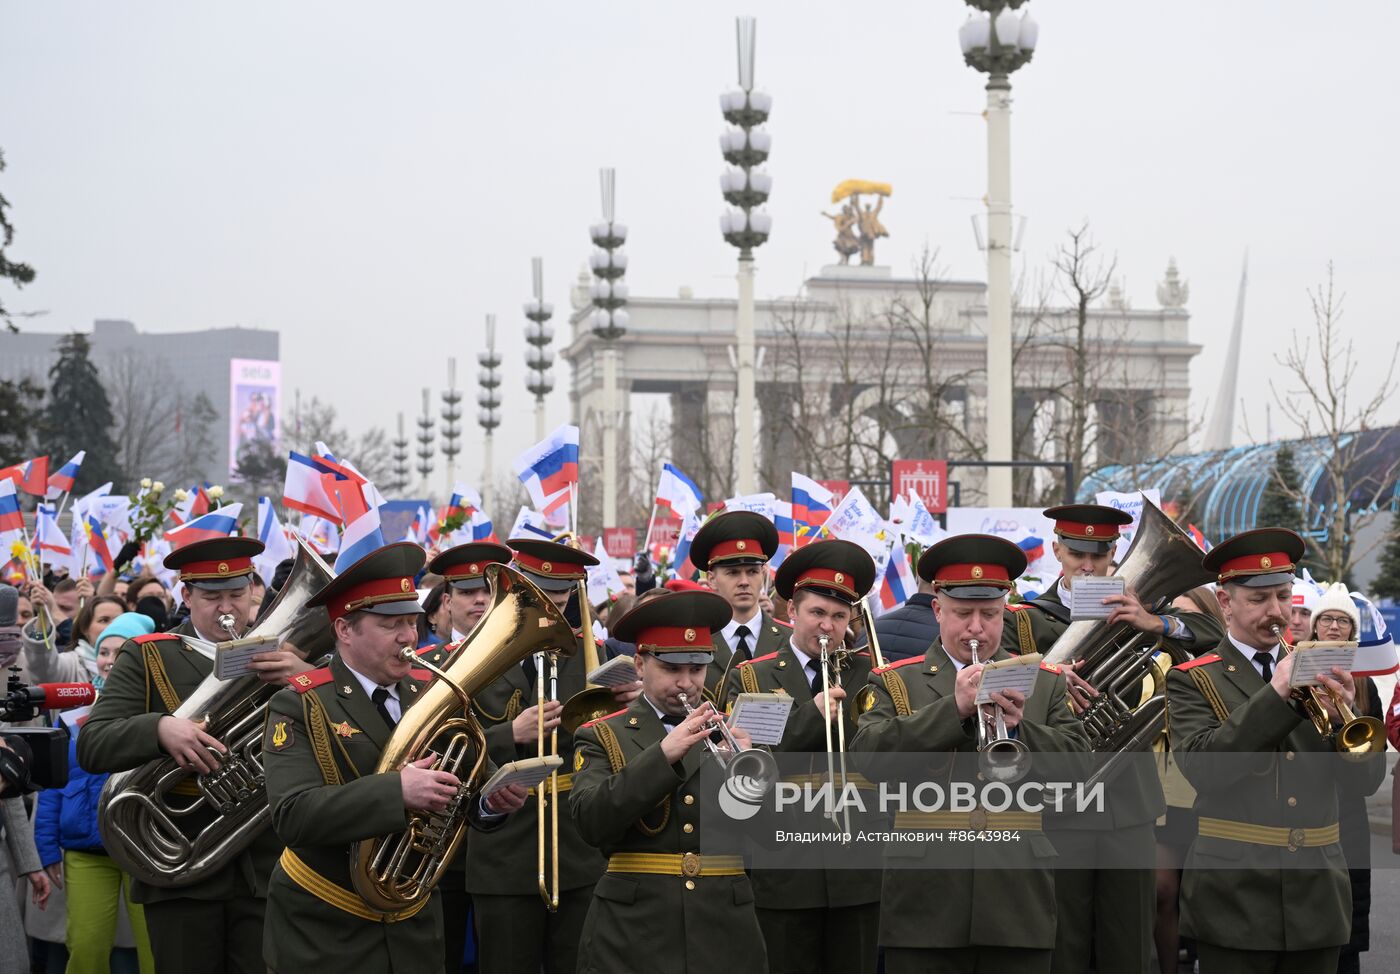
x: 1249, y: 651
x: 731, y: 631
x: 392, y: 704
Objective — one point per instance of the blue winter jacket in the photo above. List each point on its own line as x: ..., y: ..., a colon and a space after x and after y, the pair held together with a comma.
x: 67, y: 818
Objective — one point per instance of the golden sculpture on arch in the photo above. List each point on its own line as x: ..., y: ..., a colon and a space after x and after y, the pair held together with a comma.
x: 857, y: 226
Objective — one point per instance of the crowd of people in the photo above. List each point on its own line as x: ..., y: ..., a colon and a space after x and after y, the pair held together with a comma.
x: 631, y: 888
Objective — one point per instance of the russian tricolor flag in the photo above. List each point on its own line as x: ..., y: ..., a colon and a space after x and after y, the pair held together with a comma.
x: 62, y: 481
x: 97, y: 543
x: 782, y: 520
x: 898, y: 582
x: 1033, y: 547
x: 32, y: 476
x: 811, y: 504
x: 362, y: 535
x: 216, y: 524
x: 11, y: 520
x: 550, y: 468
x: 482, y: 528
x: 305, y: 491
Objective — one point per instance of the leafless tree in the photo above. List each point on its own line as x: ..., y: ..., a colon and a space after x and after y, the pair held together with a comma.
x: 1326, y: 403
x: 143, y: 414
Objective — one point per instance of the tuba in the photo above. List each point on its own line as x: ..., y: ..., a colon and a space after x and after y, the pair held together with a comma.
x: 1123, y: 664
x: 155, y: 820
x: 396, y: 872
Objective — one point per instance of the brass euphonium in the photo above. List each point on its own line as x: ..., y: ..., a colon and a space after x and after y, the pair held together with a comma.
x: 1123, y: 664
x: 170, y: 827
x: 395, y: 872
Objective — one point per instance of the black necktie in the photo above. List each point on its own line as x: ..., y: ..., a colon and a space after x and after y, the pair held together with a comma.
x: 672, y: 720
x: 741, y: 651
x: 1266, y: 663
x: 379, y: 696
x: 814, y: 678
x: 528, y: 665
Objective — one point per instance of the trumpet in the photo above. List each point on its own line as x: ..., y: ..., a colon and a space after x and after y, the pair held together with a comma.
x: 1000, y: 757
x: 1357, y: 737
x: 750, y: 773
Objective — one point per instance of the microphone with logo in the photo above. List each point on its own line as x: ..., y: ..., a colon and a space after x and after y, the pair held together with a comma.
x: 32, y: 757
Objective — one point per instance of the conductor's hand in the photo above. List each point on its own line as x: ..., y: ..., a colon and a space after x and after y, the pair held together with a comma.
x: 425, y: 790
x: 187, y: 742
x: 526, y: 728
x: 829, y: 702
x: 689, y: 732
x: 969, y: 680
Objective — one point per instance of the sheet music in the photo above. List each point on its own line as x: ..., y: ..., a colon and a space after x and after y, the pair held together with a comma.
x: 1312, y: 659
x: 1087, y: 592
x: 1018, y: 673
x: 763, y: 715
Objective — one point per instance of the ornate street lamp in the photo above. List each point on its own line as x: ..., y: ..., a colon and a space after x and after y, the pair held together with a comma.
x: 996, y: 42
x: 488, y: 416
x: 745, y: 187
x: 609, y: 323
x: 538, y: 335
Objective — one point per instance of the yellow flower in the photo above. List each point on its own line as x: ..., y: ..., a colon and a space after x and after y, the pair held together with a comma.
x: 215, y: 492
x: 157, y: 487
x: 181, y: 496
x: 146, y: 482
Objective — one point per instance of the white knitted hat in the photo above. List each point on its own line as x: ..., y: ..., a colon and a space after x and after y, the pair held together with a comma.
x: 1304, y: 595
x: 1337, y: 599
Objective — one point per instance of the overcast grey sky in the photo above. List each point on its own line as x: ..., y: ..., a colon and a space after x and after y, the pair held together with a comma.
x: 370, y: 179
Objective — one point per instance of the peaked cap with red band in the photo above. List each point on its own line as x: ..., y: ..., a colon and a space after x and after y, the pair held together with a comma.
x: 837, y: 569
x: 1258, y: 558
x: 552, y: 565
x: 218, y: 563
x: 1088, y: 528
x: 464, y: 566
x: 677, y: 628
x: 381, y: 582
x: 973, y: 566
x: 734, y: 538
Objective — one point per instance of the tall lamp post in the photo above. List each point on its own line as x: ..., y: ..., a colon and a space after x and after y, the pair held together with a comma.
x: 539, y: 334
x: 488, y: 416
x: 745, y: 187
x: 451, y: 416
x: 402, y: 470
x: 425, y: 440
x: 609, y: 323
x: 997, y: 42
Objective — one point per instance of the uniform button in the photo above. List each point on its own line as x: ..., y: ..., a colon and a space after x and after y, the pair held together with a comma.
x: 690, y: 884
x: 689, y: 799
x: 1288, y: 755
x: 687, y: 828
x: 1292, y: 801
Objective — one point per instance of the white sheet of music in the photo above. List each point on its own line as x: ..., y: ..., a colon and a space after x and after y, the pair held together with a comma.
x: 1017, y: 673
x: 1310, y: 659
x: 763, y: 715
x: 1087, y: 592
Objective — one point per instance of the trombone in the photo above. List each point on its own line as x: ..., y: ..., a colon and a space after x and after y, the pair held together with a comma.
x: 547, y: 667
x: 831, y: 676
x: 1000, y: 757
x: 1357, y: 737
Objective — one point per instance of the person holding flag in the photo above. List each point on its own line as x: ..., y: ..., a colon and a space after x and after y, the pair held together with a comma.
x: 733, y: 549
x: 215, y: 924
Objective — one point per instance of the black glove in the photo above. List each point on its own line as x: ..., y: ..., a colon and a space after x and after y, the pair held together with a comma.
x: 124, y: 557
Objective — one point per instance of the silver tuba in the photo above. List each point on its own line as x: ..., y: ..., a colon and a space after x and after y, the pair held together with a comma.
x: 170, y: 827
x: 1123, y: 664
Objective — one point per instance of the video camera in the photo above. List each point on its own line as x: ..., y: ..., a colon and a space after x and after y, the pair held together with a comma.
x: 36, y: 757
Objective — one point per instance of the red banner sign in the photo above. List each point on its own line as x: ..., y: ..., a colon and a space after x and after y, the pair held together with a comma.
x: 926, y: 478
x: 620, y: 542
x: 840, y: 488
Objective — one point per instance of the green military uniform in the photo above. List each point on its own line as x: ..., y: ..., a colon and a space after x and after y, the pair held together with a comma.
x: 1107, y: 913
x: 215, y: 924
x: 463, y: 567
x: 661, y: 906
x: 772, y: 636
x: 1005, y: 915
x: 913, y: 708
x: 1265, y: 884
x: 734, y: 539
x: 515, y: 930
x: 815, y: 919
